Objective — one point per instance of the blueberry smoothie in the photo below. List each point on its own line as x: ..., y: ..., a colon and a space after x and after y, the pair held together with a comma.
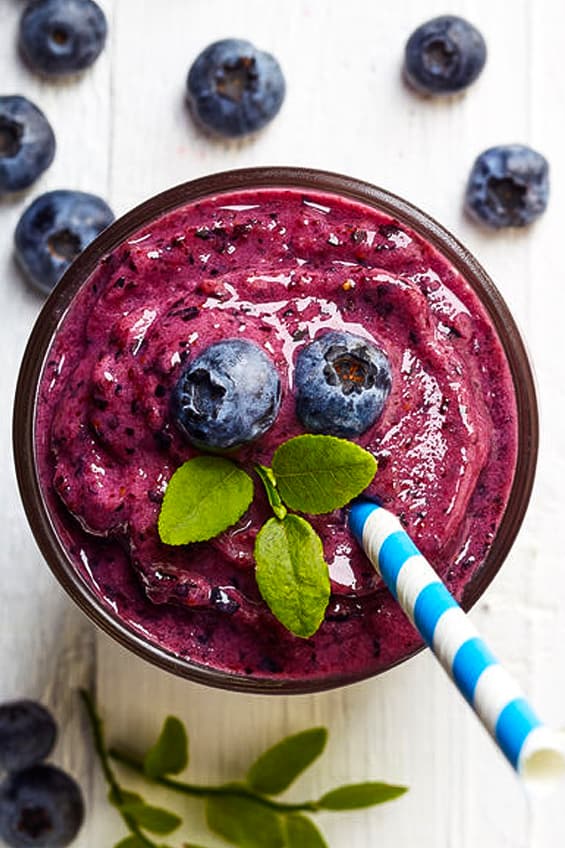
x: 295, y: 275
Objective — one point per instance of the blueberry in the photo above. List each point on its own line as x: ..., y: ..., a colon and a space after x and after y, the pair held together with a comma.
x: 60, y: 37
x: 444, y: 55
x: 54, y: 230
x: 228, y: 395
x: 27, y: 734
x: 234, y: 89
x: 42, y: 806
x: 342, y: 383
x: 27, y: 143
x: 508, y: 186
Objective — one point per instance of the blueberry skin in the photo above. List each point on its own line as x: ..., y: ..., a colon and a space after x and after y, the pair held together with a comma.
x: 342, y: 383
x: 508, y: 186
x: 27, y: 734
x: 228, y: 395
x: 444, y: 56
x: 27, y: 143
x: 234, y: 89
x: 59, y: 37
x: 41, y: 806
x: 54, y: 230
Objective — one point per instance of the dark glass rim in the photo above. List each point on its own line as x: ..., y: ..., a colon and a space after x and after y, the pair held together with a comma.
x: 306, y: 179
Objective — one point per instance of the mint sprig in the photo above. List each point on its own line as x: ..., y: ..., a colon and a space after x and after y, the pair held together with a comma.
x: 311, y: 474
x: 244, y: 813
x: 136, y: 814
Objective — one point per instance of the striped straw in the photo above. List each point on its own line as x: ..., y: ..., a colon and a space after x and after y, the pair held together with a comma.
x: 534, y: 751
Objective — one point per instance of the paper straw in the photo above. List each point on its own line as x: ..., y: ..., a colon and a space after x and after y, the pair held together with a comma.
x: 534, y: 751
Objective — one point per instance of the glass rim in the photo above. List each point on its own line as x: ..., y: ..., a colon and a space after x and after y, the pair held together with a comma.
x: 54, y: 309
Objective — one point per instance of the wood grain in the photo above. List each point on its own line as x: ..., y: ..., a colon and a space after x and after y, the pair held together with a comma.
x: 123, y: 131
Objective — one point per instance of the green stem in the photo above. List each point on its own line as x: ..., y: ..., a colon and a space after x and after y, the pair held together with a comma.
x: 97, y: 729
x: 269, y: 482
x: 225, y: 790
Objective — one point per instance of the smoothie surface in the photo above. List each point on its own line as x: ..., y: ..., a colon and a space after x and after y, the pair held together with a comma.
x: 279, y: 268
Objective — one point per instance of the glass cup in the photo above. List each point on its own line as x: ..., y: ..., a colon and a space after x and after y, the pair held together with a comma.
x: 56, y: 549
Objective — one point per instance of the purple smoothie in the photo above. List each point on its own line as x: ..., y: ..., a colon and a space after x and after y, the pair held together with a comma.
x: 278, y: 268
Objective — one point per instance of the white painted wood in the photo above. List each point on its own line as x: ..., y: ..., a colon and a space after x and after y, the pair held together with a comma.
x: 123, y: 131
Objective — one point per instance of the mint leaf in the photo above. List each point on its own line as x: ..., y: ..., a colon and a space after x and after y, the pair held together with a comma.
x: 358, y: 795
x: 169, y: 755
x: 130, y: 842
x: 301, y: 832
x: 244, y: 822
x: 269, y: 482
x: 124, y: 797
x: 317, y: 474
x: 150, y: 818
x: 204, y: 497
x: 277, y: 768
x: 291, y: 573
x: 191, y: 845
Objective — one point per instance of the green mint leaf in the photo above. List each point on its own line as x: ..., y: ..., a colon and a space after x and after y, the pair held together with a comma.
x: 191, y: 845
x: 277, y: 768
x: 244, y: 822
x: 124, y: 797
x: 317, y: 474
x: 150, y: 818
x: 169, y: 755
x: 269, y: 482
x: 358, y: 795
x: 204, y: 497
x: 301, y: 832
x: 130, y: 842
x: 291, y: 573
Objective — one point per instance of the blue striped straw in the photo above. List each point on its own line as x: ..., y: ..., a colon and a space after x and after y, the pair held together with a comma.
x: 533, y: 750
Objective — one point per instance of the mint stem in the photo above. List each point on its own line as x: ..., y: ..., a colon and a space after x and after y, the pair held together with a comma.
x: 269, y: 482
x: 225, y: 790
x: 97, y: 730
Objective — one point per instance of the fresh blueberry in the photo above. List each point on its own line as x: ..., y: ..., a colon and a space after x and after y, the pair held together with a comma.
x: 41, y: 806
x: 508, y: 186
x: 27, y: 734
x: 234, y: 89
x: 54, y: 230
x: 60, y: 37
x: 342, y: 383
x: 444, y: 55
x: 228, y: 395
x: 27, y: 143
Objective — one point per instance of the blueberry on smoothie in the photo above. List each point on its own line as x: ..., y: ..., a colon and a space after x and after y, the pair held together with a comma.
x: 444, y: 56
x: 228, y: 395
x: 42, y: 806
x: 54, y: 230
x: 27, y: 143
x: 59, y: 37
x: 342, y: 383
x: 234, y: 89
x: 508, y: 186
x: 27, y: 734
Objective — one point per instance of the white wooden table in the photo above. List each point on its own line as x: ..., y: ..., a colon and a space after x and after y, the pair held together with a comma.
x: 123, y: 131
